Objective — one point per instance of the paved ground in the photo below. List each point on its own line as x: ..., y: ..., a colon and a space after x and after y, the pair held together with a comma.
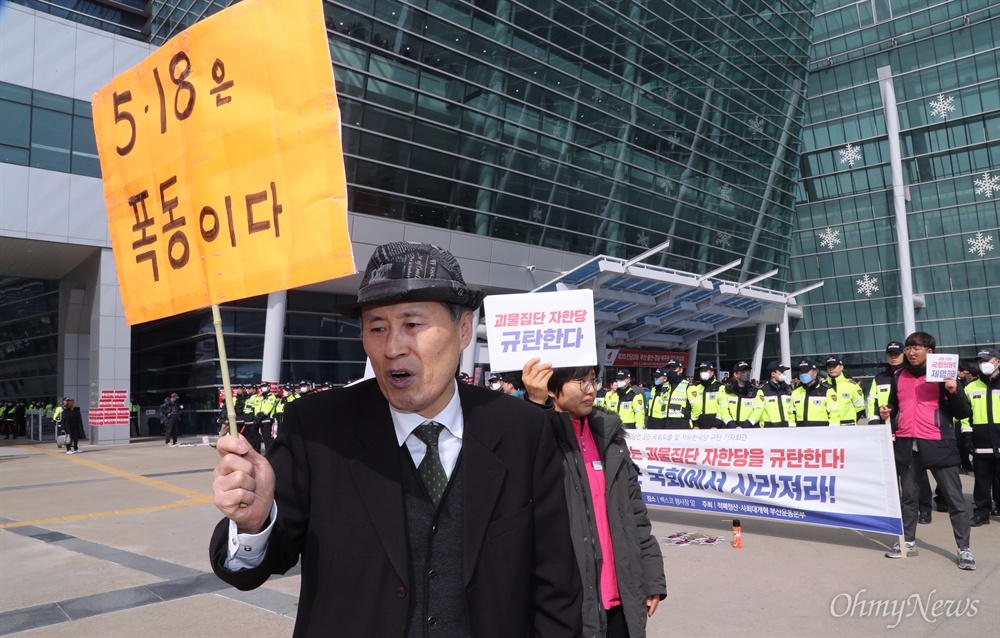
x: 112, y: 542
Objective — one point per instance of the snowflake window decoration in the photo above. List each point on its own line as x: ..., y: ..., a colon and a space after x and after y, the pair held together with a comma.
x: 850, y: 155
x: 670, y: 94
x: 507, y: 156
x: 980, y: 244
x: 665, y: 186
x: 987, y: 185
x: 597, y: 97
x: 756, y: 125
x: 673, y: 140
x: 726, y: 192
x: 829, y: 238
x: 536, y: 213
x: 867, y: 285
x: 724, y: 240
x: 544, y: 163
x: 643, y: 239
x: 558, y: 130
x: 942, y: 106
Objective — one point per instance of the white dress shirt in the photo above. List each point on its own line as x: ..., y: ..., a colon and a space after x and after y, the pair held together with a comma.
x: 247, y: 550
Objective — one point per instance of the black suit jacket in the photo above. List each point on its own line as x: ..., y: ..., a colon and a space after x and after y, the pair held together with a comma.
x: 340, y: 507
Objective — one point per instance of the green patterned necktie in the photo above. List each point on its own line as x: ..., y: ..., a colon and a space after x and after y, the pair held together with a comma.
x: 431, y: 471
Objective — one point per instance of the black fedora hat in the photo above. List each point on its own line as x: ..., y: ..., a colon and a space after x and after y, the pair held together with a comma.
x: 410, y: 271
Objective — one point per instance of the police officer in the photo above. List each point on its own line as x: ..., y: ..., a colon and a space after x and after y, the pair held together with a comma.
x: 659, y: 378
x: 878, y: 393
x: 264, y: 415
x: 814, y: 402
x: 984, y: 395
x: 602, y: 392
x: 778, y: 412
x: 668, y: 406
x: 741, y: 403
x: 626, y: 402
x: 249, y: 426
x: 57, y: 415
x: 703, y: 399
x: 852, y: 404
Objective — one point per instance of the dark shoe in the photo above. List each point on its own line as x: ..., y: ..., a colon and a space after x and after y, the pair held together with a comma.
x: 995, y: 512
x: 977, y: 521
x: 941, y: 508
x: 924, y: 518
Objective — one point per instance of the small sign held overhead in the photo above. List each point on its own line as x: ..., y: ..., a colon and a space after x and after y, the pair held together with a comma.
x: 558, y: 327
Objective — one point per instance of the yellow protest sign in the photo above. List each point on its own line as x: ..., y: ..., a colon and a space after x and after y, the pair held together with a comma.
x: 222, y: 162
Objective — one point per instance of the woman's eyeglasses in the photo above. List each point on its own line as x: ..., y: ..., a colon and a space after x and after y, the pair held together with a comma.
x: 586, y: 385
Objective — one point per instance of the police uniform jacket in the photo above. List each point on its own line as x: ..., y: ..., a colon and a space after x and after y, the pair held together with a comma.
x: 778, y: 411
x: 984, y: 397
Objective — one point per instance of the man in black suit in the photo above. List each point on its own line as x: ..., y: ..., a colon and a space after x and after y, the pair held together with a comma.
x: 417, y: 505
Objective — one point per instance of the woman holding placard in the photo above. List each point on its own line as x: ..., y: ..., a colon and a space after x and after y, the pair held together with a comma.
x: 619, y: 559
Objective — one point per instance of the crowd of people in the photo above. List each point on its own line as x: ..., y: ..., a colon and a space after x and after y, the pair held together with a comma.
x: 260, y: 409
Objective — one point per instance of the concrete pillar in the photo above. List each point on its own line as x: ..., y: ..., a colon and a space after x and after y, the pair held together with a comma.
x: 468, y: 361
x: 692, y: 357
x: 758, y: 351
x: 274, y: 337
x: 784, y: 340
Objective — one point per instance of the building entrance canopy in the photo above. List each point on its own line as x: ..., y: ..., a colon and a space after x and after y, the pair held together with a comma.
x: 642, y: 305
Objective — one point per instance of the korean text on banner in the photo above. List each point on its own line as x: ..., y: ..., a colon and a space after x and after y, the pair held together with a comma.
x: 838, y: 477
x: 558, y: 327
x: 222, y: 162
x: 941, y: 367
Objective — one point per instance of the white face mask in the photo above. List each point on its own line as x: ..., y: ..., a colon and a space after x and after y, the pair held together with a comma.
x: 704, y: 376
x: 621, y: 384
x: 495, y: 386
x: 987, y: 368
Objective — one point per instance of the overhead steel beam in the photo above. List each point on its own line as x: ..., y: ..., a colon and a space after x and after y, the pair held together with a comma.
x: 718, y: 271
x: 646, y: 255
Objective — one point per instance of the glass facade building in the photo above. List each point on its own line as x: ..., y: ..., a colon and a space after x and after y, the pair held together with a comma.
x: 599, y: 127
x: 945, y: 66
x: 750, y: 131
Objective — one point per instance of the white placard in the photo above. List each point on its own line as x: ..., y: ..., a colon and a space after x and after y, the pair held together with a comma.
x: 558, y: 327
x: 941, y: 366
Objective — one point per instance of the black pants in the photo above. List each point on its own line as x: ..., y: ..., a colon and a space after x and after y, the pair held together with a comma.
x: 950, y: 482
x: 987, y: 470
x: 173, y: 424
x: 929, y: 499
x: 617, y: 628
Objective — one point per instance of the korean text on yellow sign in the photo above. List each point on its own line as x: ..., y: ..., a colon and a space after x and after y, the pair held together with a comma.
x: 222, y: 162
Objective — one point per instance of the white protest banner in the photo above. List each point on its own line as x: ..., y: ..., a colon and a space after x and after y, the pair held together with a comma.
x: 839, y: 477
x: 940, y: 367
x: 556, y: 326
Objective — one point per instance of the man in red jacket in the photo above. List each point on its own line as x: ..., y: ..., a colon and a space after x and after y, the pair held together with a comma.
x: 922, y: 415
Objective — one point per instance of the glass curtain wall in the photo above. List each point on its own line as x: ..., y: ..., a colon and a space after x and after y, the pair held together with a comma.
x: 598, y: 127
x: 29, y: 339
x: 945, y: 61
x: 180, y: 354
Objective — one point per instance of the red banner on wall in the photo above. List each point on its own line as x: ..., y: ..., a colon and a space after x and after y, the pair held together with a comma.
x: 642, y: 358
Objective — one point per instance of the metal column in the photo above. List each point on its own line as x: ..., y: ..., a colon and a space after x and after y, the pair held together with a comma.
x: 898, y: 196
